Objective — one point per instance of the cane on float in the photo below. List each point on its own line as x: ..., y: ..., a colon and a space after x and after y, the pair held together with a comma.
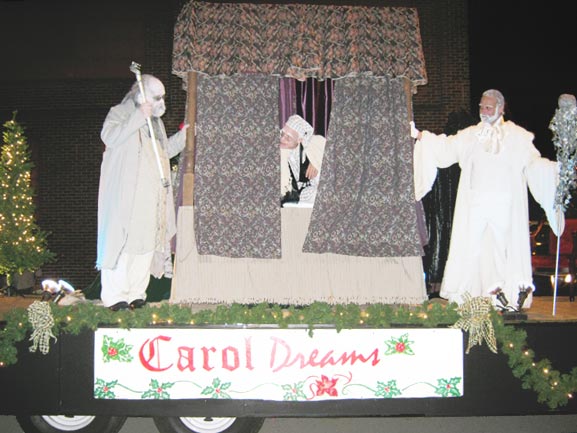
x: 135, y: 68
x: 556, y: 280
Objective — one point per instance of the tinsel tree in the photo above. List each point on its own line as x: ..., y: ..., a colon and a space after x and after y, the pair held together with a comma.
x: 23, y: 246
x: 564, y: 128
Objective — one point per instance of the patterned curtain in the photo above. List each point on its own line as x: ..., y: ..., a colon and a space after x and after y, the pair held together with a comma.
x: 237, y: 172
x: 298, y: 40
x: 366, y: 205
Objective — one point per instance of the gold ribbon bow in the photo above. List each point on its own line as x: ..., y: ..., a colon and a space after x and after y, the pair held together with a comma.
x: 476, y: 319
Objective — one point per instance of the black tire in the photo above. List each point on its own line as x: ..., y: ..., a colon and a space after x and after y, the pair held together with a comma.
x: 208, y: 425
x: 76, y: 424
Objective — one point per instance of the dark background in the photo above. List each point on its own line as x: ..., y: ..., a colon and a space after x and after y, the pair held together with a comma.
x: 64, y: 63
x: 526, y: 50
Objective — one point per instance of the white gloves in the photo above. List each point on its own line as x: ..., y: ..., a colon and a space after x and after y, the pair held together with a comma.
x: 414, y: 131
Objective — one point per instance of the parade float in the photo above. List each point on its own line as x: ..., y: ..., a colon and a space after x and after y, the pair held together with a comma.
x: 305, y: 312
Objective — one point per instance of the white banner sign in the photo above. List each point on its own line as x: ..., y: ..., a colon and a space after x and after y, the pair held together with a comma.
x: 277, y: 364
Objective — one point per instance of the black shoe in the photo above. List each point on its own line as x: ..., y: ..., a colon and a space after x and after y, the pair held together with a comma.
x: 137, y: 303
x: 119, y: 306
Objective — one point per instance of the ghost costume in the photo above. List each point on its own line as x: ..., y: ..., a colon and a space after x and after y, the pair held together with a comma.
x: 490, y: 242
x: 136, y: 217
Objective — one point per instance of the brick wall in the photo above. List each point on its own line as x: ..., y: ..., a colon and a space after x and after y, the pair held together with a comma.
x: 63, y: 117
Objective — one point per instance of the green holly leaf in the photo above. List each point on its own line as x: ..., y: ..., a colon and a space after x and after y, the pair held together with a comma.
x: 294, y: 392
x: 217, y: 390
x: 388, y: 389
x: 399, y: 346
x: 448, y: 388
x: 104, y: 389
x: 157, y: 390
x: 115, y: 350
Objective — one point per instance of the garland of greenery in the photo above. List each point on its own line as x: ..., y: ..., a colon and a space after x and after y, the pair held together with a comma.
x: 552, y: 387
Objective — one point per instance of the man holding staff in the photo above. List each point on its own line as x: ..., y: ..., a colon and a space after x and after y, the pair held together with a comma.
x: 136, y: 216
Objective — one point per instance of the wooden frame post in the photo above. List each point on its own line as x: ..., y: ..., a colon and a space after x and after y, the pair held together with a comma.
x: 189, y: 150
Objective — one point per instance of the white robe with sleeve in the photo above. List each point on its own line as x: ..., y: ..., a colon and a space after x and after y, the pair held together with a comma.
x: 128, y: 159
x: 314, y: 151
x: 490, y: 242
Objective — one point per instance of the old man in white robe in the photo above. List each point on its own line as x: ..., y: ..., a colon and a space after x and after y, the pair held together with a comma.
x: 136, y: 216
x: 301, y: 161
x: 490, y: 252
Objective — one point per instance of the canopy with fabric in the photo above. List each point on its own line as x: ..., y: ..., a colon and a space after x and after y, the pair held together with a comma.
x: 230, y: 57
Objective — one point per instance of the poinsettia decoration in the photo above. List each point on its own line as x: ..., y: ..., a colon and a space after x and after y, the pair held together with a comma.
x: 327, y: 386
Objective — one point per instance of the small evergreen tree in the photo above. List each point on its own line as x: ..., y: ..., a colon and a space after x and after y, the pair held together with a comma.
x: 23, y: 245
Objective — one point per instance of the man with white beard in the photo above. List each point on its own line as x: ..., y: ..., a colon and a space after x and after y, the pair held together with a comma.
x: 490, y: 252
x: 136, y: 218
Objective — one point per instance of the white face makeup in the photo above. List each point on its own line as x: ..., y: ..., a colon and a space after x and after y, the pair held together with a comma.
x: 489, y: 111
x: 155, y: 94
x: 289, y: 138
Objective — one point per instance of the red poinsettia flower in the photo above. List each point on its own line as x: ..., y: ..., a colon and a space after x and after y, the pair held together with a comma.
x: 327, y: 386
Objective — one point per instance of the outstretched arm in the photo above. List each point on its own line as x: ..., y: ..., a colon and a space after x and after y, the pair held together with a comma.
x: 542, y: 179
x: 430, y: 153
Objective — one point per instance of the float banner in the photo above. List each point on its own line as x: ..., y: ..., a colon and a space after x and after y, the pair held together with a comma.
x: 277, y: 364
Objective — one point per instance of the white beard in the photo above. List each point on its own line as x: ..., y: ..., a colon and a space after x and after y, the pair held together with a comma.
x: 491, y: 136
x: 490, y: 119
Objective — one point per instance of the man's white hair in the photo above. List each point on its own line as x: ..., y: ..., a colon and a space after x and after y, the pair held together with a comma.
x: 134, y: 92
x: 492, y: 93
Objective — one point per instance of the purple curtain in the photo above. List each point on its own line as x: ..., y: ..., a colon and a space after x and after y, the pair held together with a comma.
x: 287, y: 99
x: 314, y: 102
x: 310, y: 99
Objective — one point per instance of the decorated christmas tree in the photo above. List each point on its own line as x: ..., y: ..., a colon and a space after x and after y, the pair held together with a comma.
x: 23, y: 245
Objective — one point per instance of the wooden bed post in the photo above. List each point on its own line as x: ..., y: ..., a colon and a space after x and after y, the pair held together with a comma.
x: 409, y: 94
x: 188, y: 176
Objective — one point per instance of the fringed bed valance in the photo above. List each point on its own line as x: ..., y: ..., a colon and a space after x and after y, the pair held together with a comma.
x: 298, y: 40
